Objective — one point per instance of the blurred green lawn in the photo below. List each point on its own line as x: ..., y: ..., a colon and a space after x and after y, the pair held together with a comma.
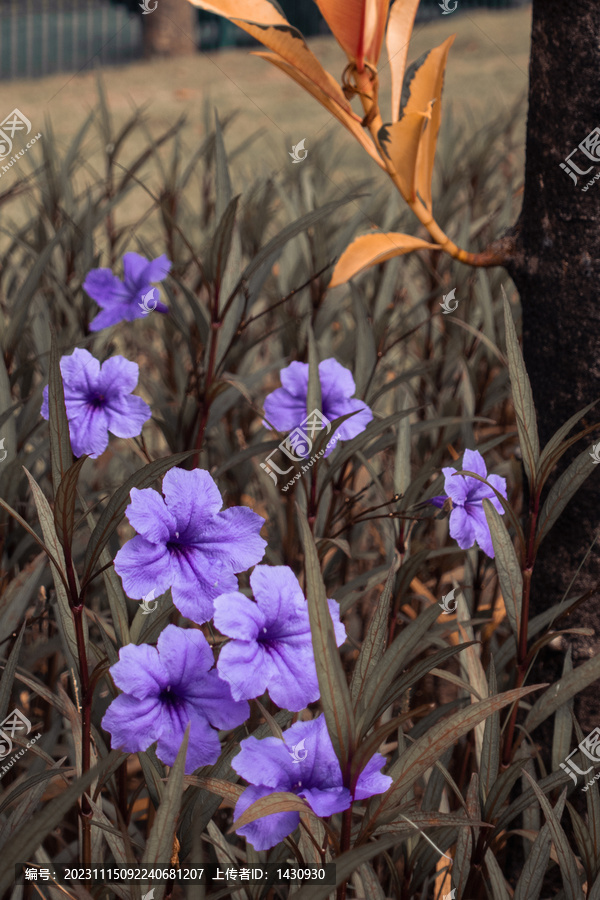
x: 487, y: 73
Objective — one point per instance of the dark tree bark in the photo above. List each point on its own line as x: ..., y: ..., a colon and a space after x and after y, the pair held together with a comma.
x: 556, y: 269
x: 170, y: 30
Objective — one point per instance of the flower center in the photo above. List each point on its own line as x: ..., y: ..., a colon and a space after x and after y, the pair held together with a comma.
x: 169, y: 697
x: 97, y: 400
x: 297, y: 786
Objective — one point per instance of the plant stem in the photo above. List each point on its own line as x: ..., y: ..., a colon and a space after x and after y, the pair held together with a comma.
x: 344, y: 846
x: 86, y: 734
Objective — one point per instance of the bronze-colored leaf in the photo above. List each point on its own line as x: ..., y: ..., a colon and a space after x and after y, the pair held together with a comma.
x: 372, y: 249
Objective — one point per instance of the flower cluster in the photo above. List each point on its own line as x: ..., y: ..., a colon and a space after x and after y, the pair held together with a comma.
x: 187, y: 543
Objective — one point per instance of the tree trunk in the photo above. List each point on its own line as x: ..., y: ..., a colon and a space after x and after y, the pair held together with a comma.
x: 556, y: 269
x: 170, y: 30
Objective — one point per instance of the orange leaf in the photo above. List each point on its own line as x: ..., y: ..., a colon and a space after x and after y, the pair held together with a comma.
x: 400, y: 26
x: 425, y: 95
x: 357, y: 25
x: 349, y: 119
x: 262, y: 20
x: 371, y: 249
x: 400, y: 142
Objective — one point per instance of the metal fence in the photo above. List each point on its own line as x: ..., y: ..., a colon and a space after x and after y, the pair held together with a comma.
x: 44, y: 37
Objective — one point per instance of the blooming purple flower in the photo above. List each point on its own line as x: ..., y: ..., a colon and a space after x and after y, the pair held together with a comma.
x: 120, y: 300
x: 271, y: 646
x: 468, y: 522
x: 286, y: 407
x: 165, y: 688
x: 304, y: 763
x: 186, y: 544
x: 98, y: 400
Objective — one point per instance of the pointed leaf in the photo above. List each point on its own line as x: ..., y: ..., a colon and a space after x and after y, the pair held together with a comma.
x: 335, y: 696
x: 561, y: 492
x: 401, y: 141
x: 357, y: 25
x: 548, y: 454
x: 566, y: 858
x: 522, y: 397
x: 399, y: 30
x: 278, y: 802
x: 507, y: 566
x: 159, y: 846
x: 64, y: 504
x: 421, y: 755
x: 61, y: 454
x: 562, y: 691
x: 529, y: 885
x: 371, y: 249
x: 375, y: 640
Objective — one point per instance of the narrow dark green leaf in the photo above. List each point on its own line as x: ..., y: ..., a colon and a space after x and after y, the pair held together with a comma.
x: 222, y: 179
x: 8, y: 675
x: 490, y: 748
x: 277, y: 802
x: 221, y: 243
x: 529, y: 885
x: 394, y: 659
x: 365, y: 354
x: 32, y: 833
x: 313, y: 394
x: 65, y: 616
x: 114, y: 510
x: 375, y: 640
x: 507, y: 566
x: 566, y: 858
x: 335, y: 696
x: 159, y: 846
x: 561, y: 492
x: 497, y: 882
x: 522, y: 398
x: 549, y: 453
x: 421, y: 755
x: 61, y: 455
x: 562, y: 691
x: 64, y: 504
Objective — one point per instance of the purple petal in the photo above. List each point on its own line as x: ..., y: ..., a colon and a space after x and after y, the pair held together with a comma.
x: 132, y: 723
x: 354, y: 426
x: 112, y: 315
x: 455, y: 486
x: 294, y: 379
x: 126, y: 416
x: 462, y: 527
x: 281, y: 600
x: 267, y: 762
x: 233, y: 536
x: 134, y: 271
x: 158, y: 269
x: 80, y: 372
x: 204, y: 746
x: 371, y: 781
x: 149, y: 515
x: 88, y: 430
x: 185, y: 654
x: 338, y: 627
x: 216, y: 703
x: 143, y: 567
x: 473, y: 461
x: 193, y: 498
x: 320, y: 768
x: 118, y: 376
x: 270, y: 830
x: 481, y: 528
x: 245, y: 667
x: 104, y: 287
x: 327, y: 801
x: 293, y: 682
x: 337, y: 382
x: 140, y: 671
x: 283, y: 410
x: 238, y: 617
x: 500, y: 484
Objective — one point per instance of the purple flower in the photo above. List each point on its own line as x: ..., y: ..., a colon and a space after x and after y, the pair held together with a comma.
x: 305, y: 764
x: 186, y: 544
x: 120, y: 300
x: 286, y: 407
x: 98, y: 400
x: 467, y: 519
x: 165, y: 688
x: 272, y: 646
